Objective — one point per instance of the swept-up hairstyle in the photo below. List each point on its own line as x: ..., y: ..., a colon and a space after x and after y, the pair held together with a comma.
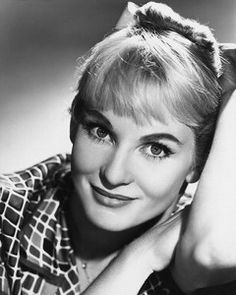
x: 162, y: 57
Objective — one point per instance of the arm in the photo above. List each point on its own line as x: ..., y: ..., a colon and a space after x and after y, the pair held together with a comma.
x: 206, y: 252
x: 128, y: 271
x: 124, y: 275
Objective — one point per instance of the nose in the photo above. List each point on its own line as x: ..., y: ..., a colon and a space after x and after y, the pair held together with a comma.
x: 117, y: 171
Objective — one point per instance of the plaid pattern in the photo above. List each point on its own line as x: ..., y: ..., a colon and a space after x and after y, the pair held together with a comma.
x: 36, y: 256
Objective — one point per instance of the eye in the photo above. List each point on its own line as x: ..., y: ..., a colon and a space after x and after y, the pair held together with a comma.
x: 100, y: 132
x: 156, y: 151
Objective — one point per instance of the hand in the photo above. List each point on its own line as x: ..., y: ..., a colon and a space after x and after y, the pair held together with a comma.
x: 158, y: 243
x: 228, y: 79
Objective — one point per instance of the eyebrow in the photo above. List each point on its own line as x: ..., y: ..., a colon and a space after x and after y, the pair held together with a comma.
x: 97, y: 115
x: 144, y: 139
x: 158, y: 136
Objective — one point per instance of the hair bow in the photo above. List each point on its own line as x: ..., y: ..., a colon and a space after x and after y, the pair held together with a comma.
x: 127, y: 16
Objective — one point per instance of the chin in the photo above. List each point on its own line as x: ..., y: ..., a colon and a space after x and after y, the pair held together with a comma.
x: 117, y: 221
x: 108, y: 221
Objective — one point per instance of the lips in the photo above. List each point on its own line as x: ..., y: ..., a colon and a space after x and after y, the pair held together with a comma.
x: 109, y: 200
x: 112, y: 196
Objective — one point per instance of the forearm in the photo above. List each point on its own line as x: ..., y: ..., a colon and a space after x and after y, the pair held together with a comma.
x: 124, y: 275
x: 206, y: 250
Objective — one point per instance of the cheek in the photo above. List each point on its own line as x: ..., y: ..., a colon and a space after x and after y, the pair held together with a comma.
x: 87, y: 156
x: 163, y: 180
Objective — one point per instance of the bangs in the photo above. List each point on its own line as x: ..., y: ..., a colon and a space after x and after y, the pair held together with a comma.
x: 125, y: 89
x: 137, y: 78
x: 144, y: 75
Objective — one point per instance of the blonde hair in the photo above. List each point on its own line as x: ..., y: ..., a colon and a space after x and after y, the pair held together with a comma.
x: 123, y: 69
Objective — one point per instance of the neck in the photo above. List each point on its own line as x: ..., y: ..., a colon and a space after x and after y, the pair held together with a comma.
x: 91, y: 242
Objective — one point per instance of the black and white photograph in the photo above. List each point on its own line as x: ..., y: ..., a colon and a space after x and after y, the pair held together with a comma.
x: 117, y: 147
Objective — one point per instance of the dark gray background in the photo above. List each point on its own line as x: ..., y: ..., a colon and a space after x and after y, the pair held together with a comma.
x: 39, y: 43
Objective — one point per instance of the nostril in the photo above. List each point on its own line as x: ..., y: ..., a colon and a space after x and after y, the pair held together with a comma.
x: 105, y: 181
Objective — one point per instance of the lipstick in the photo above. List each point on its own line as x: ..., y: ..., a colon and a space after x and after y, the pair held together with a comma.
x: 110, y: 200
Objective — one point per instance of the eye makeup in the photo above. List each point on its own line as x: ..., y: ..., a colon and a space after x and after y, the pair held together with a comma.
x: 96, y: 126
x: 99, y: 129
x: 156, y: 150
x: 95, y: 117
x: 156, y: 137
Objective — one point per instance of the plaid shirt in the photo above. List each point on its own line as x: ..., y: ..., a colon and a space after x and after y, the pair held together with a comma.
x: 36, y: 254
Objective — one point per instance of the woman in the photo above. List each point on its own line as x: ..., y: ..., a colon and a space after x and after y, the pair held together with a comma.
x: 142, y: 125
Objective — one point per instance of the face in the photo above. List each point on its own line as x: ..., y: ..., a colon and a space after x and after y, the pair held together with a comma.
x: 126, y: 173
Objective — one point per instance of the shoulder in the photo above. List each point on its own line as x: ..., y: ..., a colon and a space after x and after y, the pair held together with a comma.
x: 35, y: 176
x: 19, y: 188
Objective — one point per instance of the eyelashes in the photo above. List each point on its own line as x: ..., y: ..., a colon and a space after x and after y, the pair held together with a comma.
x: 102, y: 135
x: 97, y: 132
x: 156, y: 150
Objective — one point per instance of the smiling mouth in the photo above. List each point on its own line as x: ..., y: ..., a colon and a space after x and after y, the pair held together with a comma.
x: 111, y: 196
